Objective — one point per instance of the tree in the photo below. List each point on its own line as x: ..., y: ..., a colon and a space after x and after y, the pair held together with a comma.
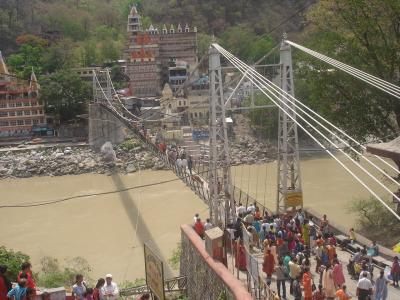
x: 373, y: 219
x: 366, y: 35
x: 13, y: 260
x: 53, y: 274
x: 64, y: 95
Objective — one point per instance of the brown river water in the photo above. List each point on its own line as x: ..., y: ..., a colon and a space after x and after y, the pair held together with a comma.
x: 109, y: 230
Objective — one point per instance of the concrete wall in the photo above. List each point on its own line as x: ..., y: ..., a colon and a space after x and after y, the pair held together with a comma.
x: 104, y: 127
x: 206, y: 277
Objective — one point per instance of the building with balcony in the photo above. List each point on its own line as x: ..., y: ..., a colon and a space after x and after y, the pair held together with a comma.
x: 20, y: 112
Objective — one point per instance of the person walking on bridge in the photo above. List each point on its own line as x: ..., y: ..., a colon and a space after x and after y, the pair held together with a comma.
x: 364, y: 287
x: 381, y: 289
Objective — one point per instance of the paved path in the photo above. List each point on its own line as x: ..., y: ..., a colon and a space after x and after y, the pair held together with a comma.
x: 393, y: 293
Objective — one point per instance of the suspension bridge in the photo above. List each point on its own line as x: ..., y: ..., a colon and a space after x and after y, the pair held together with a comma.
x: 212, y: 176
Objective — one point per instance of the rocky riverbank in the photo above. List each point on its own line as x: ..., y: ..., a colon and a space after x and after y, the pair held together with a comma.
x: 58, y: 161
x: 249, y: 151
x: 130, y: 156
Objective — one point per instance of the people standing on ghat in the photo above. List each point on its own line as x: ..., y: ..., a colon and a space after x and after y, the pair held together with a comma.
x: 26, y: 268
x: 96, y: 291
x: 110, y: 290
x: 364, y: 287
x: 5, y: 283
x: 79, y: 288
x: 381, y: 289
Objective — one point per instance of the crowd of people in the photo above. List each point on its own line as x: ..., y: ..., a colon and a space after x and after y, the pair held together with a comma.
x: 25, y: 287
x: 293, y: 246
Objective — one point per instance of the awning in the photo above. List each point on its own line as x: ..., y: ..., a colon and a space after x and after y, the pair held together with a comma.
x: 389, y: 150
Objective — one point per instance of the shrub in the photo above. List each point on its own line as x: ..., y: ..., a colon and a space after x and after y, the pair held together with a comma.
x: 13, y: 261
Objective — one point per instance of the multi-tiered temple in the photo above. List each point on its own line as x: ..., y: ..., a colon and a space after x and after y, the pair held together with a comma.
x: 152, y: 51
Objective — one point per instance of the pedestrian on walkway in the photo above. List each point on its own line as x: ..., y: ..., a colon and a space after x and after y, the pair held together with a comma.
x: 337, y: 274
x: 395, y: 271
x: 364, y: 287
x: 199, y: 228
x: 381, y: 289
x: 319, y: 294
x: 328, y: 284
x: 341, y: 294
x: 297, y: 294
x: 281, y: 279
x: 268, y: 264
x: 307, y: 284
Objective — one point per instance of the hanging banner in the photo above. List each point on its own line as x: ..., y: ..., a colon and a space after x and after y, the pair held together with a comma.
x: 293, y: 199
x: 154, y: 272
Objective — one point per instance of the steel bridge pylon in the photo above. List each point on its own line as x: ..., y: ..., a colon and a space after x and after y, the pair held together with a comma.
x: 222, y: 209
x: 289, y: 192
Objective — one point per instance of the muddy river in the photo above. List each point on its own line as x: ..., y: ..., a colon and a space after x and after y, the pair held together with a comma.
x: 108, y: 230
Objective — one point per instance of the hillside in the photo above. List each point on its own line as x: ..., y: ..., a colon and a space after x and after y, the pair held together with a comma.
x: 86, y: 23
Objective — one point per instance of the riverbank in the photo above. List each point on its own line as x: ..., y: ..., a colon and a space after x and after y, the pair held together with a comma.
x: 130, y: 155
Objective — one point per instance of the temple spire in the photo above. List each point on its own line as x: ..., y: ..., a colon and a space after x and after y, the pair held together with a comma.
x: 33, y: 85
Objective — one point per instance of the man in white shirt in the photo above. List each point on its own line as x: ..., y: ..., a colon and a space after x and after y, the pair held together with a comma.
x: 240, y: 209
x: 110, y: 290
x: 364, y: 287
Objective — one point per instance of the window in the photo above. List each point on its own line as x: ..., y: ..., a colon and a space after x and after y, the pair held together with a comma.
x: 13, y: 123
x: 3, y: 114
x: 35, y: 121
x: 3, y: 104
x: 195, y: 114
x: 41, y: 120
x: 19, y: 113
x: 27, y: 113
x: 3, y: 123
x: 18, y: 104
x: 20, y: 122
x: 11, y: 113
x: 200, y: 114
x: 28, y: 122
x: 34, y: 112
x: 11, y: 104
x: 27, y: 104
x: 34, y: 103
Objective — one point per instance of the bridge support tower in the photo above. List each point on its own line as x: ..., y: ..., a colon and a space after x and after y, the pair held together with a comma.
x: 289, y: 192
x: 222, y: 208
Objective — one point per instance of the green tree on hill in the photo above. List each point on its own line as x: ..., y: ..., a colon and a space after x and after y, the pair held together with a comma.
x: 366, y: 35
x: 64, y: 95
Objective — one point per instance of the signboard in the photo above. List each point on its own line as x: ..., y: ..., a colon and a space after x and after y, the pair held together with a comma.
x: 293, y: 199
x: 200, y: 134
x: 154, y: 272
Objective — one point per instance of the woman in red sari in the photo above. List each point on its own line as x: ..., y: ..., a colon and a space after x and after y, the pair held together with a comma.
x: 269, y: 264
x: 240, y: 256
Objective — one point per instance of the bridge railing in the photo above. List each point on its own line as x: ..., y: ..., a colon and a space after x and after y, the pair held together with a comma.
x: 200, y: 168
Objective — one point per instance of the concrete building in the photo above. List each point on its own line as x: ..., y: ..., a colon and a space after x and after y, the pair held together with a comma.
x: 151, y: 52
x: 20, y: 112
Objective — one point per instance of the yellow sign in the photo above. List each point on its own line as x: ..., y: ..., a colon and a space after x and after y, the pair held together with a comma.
x: 293, y: 199
x: 154, y: 273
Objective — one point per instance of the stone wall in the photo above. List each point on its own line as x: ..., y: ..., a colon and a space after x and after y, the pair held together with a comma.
x: 207, y: 279
x: 104, y: 127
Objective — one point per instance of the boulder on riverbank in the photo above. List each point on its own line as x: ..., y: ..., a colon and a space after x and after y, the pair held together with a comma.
x: 58, y: 161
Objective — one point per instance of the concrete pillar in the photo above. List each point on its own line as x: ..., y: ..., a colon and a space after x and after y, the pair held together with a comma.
x: 104, y: 127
